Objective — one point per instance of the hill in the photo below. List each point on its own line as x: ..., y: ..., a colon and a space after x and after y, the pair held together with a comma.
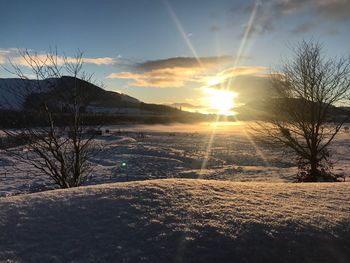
x: 264, y: 109
x: 18, y: 96
x: 23, y: 92
x: 179, y: 221
x: 91, y: 96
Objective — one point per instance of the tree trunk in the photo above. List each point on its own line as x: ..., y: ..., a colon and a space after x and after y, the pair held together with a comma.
x: 314, y: 173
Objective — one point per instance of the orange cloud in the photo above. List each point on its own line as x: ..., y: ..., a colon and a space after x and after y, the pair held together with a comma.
x: 14, y: 56
x: 176, y: 77
x: 222, y: 76
x: 99, y: 61
x: 60, y: 60
x: 161, y: 78
x: 5, y: 53
x: 238, y: 71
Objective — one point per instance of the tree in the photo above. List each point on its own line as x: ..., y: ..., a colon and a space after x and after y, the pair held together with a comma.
x: 304, y: 117
x: 57, y: 140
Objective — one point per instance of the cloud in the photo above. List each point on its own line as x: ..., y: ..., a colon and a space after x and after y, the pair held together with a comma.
x: 214, y: 29
x: 224, y: 76
x: 172, y: 72
x: 262, y: 15
x: 2, y: 59
x: 100, y: 61
x: 286, y: 7
x: 334, y: 9
x: 160, y: 78
x: 249, y: 87
x: 245, y: 89
x: 19, y: 60
x: 14, y: 55
x: 183, y: 62
x: 179, y: 72
x: 245, y: 70
x: 303, y: 28
x: 5, y: 53
x: 269, y: 13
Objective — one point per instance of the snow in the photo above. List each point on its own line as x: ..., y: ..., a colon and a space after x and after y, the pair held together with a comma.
x: 248, y: 212
x: 177, y: 151
x: 13, y: 91
x: 179, y: 220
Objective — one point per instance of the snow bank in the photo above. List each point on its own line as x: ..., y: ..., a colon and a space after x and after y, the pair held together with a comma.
x: 179, y: 220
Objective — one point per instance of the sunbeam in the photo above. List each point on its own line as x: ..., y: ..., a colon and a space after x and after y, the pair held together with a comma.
x: 209, y: 145
x: 256, y: 148
x: 244, y: 40
x: 240, y: 52
x: 226, y: 87
x: 228, y: 84
x: 182, y: 31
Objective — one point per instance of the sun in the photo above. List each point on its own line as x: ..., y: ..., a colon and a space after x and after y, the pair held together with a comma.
x: 222, y: 101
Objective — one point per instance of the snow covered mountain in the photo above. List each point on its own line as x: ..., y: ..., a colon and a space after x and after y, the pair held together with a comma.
x: 21, y: 94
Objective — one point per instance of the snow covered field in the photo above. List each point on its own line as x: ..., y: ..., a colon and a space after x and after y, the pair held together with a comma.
x: 251, y: 213
x: 179, y: 220
x: 224, y: 151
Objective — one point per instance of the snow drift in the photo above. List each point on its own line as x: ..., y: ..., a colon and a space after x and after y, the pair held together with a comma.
x: 179, y: 220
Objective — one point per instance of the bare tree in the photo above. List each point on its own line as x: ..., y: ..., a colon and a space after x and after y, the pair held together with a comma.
x: 303, y: 116
x: 58, y: 144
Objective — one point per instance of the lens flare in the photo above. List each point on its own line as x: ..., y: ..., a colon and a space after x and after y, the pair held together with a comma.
x: 221, y: 101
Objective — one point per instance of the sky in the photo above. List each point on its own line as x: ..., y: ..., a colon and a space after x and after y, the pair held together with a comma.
x: 167, y: 51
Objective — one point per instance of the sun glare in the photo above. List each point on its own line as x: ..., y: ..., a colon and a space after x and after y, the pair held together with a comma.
x: 222, y: 101
x: 215, y: 80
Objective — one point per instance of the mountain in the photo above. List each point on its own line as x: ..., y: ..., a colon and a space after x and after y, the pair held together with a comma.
x: 20, y: 100
x: 13, y: 91
x: 21, y: 94
x: 286, y: 108
x: 186, y: 106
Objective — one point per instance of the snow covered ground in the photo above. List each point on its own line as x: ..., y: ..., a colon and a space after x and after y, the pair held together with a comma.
x: 179, y: 220
x: 250, y: 214
x: 225, y: 151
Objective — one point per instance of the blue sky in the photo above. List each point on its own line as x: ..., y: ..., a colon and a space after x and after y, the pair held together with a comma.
x: 120, y: 38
